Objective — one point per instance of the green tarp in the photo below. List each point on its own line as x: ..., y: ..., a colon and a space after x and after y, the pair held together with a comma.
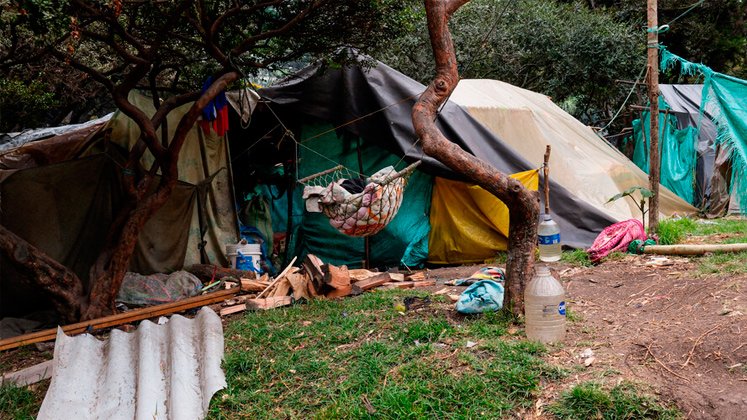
x: 404, y: 240
x: 676, y: 148
x: 725, y: 100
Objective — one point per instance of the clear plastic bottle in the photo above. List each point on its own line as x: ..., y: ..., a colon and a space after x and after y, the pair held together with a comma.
x: 544, y: 307
x: 549, y: 239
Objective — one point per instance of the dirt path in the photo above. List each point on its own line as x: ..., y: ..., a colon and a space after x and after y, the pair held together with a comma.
x: 663, y: 325
x: 657, y: 325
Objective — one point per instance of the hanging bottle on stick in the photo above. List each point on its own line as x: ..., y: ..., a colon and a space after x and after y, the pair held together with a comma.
x: 549, y: 239
x: 548, y: 231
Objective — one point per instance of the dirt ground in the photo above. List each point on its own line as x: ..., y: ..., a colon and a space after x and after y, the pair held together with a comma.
x: 658, y: 325
x: 651, y: 323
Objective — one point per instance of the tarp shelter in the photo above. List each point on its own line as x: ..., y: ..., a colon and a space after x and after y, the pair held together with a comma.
x: 716, y: 116
x: 61, y: 194
x: 580, y: 161
x: 703, y: 166
x: 334, y: 110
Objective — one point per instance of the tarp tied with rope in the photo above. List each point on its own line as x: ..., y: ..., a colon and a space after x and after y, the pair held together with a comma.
x: 725, y: 100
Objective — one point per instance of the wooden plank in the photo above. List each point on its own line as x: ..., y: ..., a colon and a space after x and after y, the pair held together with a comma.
x: 359, y: 274
x: 249, y: 285
x: 374, y: 281
x: 300, y: 285
x: 30, y: 375
x: 397, y: 276
x: 268, y: 303
x: 119, y: 319
x: 424, y: 283
x: 228, y: 310
x: 282, y: 288
x: 278, y: 278
x: 313, y: 265
x: 693, y: 249
x: 397, y: 285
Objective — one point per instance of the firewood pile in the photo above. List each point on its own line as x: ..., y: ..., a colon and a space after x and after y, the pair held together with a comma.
x: 313, y: 279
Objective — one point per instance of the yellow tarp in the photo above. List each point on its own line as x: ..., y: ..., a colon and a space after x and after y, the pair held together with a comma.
x: 468, y: 224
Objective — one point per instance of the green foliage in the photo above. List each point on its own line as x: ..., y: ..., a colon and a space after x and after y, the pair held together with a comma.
x: 577, y: 257
x: 323, y: 359
x: 17, y: 403
x: 645, y: 194
x: 723, y: 263
x: 22, y: 104
x: 567, y: 52
x: 672, y: 231
x: 589, y: 401
x: 176, y: 45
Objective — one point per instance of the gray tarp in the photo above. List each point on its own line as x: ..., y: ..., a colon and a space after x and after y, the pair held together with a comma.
x: 713, y: 171
x: 342, y: 95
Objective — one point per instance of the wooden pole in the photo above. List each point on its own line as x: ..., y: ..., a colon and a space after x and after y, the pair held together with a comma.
x: 119, y: 319
x: 654, y: 162
x: 692, y: 249
x: 546, y: 172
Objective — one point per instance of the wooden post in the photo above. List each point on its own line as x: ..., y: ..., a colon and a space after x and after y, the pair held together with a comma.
x: 546, y: 172
x: 654, y: 162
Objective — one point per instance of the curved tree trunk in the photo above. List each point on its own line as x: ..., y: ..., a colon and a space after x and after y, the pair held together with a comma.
x: 65, y: 289
x: 108, y: 272
x: 522, y: 203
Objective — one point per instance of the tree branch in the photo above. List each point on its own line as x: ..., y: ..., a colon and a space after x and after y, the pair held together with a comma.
x: 523, y: 204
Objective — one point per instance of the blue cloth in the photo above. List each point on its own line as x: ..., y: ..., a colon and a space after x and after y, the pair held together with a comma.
x: 483, y: 296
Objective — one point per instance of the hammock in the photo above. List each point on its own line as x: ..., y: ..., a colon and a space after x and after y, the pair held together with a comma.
x: 361, y: 213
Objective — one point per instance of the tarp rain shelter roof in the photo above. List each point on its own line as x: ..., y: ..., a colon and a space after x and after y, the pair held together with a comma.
x: 342, y: 95
x: 580, y: 161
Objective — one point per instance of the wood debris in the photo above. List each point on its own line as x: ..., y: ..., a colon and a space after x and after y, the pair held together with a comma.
x: 315, y: 279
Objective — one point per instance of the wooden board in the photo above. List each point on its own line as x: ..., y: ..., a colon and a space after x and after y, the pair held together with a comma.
x: 30, y: 375
x: 374, y: 281
x: 119, y: 319
x: 268, y: 303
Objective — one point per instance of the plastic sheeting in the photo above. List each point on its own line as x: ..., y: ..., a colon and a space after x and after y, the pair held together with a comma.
x: 580, y: 161
x: 375, y: 104
x: 468, y: 224
x: 167, y: 371
x: 725, y: 101
x: 203, y: 162
x: 676, y: 148
x: 405, y: 238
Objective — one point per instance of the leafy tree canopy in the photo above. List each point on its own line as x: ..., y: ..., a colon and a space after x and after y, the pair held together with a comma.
x: 567, y: 52
x: 65, y: 46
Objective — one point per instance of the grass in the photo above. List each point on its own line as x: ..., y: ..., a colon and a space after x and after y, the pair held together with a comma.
x: 358, y: 358
x: 589, y: 401
x: 577, y: 257
x: 673, y: 231
x: 723, y: 263
x: 17, y: 403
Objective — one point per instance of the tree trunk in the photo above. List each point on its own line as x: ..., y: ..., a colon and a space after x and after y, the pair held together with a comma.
x: 106, y: 274
x: 522, y: 203
x: 53, y: 279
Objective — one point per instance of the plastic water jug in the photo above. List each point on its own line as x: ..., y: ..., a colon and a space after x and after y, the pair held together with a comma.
x: 549, y: 239
x: 544, y: 307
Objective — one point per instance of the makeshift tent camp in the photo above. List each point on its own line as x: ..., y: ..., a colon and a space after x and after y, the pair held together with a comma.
x: 703, y: 170
x: 339, y: 112
x: 722, y: 104
x: 62, y: 192
x: 580, y: 161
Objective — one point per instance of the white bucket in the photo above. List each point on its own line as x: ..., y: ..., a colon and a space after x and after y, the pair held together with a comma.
x: 246, y: 256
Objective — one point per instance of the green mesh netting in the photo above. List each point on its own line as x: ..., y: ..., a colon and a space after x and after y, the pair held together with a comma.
x: 405, y: 238
x: 725, y: 100
x: 677, y: 149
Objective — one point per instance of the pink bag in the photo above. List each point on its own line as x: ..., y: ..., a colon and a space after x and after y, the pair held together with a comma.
x: 616, y: 237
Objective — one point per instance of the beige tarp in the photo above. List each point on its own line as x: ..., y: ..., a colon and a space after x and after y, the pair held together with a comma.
x: 203, y: 162
x: 580, y: 161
